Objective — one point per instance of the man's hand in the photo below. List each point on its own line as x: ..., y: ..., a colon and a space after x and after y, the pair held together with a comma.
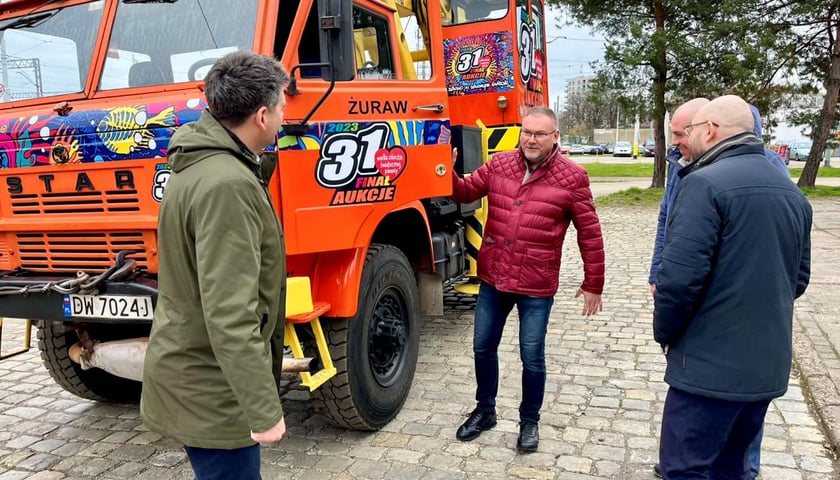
x: 274, y: 434
x: 592, y: 303
x: 652, y: 288
x: 454, y: 156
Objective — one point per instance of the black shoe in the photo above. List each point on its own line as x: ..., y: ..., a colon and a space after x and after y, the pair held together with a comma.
x: 478, y: 422
x: 657, y: 471
x: 529, y: 437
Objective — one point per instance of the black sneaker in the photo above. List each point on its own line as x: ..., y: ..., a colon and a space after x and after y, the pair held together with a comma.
x: 478, y: 422
x: 529, y: 437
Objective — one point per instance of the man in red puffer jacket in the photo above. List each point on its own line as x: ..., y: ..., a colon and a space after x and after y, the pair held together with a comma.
x: 533, y: 193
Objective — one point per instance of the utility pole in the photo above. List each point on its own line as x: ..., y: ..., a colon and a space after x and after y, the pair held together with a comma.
x: 617, y: 115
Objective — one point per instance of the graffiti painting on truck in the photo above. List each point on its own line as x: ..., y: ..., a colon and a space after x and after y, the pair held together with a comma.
x: 532, y: 57
x: 361, y: 161
x: 120, y: 133
x: 479, y: 63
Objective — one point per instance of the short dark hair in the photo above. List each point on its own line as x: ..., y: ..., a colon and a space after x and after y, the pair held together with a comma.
x: 240, y: 83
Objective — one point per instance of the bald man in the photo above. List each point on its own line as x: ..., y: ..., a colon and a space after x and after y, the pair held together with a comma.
x: 677, y: 158
x: 737, y: 255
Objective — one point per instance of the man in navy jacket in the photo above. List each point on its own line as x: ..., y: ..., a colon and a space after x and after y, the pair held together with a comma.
x: 677, y: 158
x: 737, y: 255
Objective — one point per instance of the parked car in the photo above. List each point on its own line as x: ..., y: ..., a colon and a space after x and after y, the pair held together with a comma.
x: 592, y: 149
x: 799, y: 151
x: 649, y: 148
x: 623, y: 149
x: 564, y: 149
x: 576, y: 148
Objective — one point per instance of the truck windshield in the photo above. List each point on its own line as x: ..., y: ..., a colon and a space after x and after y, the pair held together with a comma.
x: 48, y: 53
x: 163, y: 43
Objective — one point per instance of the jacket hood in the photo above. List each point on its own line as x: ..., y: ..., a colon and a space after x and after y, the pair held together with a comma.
x: 756, y: 121
x: 194, y: 141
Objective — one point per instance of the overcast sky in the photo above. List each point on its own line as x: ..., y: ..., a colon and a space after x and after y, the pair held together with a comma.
x: 571, y: 49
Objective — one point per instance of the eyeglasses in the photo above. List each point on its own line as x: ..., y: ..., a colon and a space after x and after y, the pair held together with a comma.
x: 538, y: 135
x: 688, y: 128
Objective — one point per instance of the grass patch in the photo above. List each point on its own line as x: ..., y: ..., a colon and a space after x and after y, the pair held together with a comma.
x: 822, y: 191
x: 633, y: 196
x: 822, y: 172
x: 653, y: 196
x: 619, y: 169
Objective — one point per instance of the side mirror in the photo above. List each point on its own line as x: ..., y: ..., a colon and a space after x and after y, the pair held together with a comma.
x: 335, y: 19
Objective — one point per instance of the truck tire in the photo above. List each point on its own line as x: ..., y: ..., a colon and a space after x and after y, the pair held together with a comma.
x: 375, y: 352
x: 54, y: 341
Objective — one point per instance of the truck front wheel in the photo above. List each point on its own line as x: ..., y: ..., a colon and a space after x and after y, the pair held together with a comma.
x: 54, y: 341
x: 375, y: 352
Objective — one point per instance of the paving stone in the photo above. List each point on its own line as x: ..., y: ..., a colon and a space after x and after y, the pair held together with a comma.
x: 38, y: 462
x: 14, y: 475
x: 47, y: 475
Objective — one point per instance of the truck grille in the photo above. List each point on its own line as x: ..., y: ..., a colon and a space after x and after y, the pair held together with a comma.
x: 70, y: 252
x: 116, y: 201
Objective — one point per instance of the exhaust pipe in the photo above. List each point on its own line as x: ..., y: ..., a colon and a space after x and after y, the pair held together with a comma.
x: 124, y: 358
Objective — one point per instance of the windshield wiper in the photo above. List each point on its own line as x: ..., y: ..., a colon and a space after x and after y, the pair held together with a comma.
x: 29, y: 21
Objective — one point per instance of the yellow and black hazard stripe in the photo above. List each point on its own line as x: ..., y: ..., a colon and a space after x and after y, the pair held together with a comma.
x: 500, y: 139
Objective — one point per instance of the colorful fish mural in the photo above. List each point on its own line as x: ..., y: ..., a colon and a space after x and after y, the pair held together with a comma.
x: 124, y: 130
x: 130, y: 132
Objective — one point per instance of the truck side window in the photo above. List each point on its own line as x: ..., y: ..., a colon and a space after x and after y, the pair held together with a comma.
x: 48, y: 53
x: 309, y: 47
x: 468, y: 11
x: 161, y: 43
x: 374, y: 58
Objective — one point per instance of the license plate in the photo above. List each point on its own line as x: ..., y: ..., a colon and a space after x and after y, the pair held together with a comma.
x: 121, y: 307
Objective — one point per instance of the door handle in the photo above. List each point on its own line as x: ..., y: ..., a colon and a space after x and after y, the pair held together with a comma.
x: 435, y: 107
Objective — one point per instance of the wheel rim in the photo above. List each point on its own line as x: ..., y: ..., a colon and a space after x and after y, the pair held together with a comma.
x: 388, y: 337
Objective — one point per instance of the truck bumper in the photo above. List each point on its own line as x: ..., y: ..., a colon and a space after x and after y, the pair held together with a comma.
x: 48, y: 305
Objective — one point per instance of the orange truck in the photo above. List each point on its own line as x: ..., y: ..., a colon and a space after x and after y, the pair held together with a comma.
x: 91, y: 92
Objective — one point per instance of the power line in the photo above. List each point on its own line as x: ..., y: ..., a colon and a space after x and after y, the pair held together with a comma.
x: 558, y: 37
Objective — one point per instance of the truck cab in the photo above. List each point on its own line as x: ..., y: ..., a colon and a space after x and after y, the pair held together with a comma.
x: 91, y: 92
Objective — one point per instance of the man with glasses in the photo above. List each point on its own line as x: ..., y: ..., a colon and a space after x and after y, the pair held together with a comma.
x: 533, y: 194
x: 736, y: 256
x: 677, y: 158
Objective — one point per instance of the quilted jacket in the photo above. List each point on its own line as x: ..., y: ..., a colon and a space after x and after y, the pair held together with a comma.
x: 526, y: 223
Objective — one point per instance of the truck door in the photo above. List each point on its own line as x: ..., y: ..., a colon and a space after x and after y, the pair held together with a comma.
x: 375, y: 143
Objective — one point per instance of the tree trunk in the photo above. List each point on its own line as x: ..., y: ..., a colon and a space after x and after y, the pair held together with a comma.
x: 660, y: 70
x: 826, y: 122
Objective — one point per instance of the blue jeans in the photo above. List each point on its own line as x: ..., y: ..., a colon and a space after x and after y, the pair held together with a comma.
x: 218, y: 464
x: 491, y: 312
x: 707, y: 438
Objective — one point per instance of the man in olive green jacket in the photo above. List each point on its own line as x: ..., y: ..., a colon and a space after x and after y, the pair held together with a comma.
x: 210, y: 370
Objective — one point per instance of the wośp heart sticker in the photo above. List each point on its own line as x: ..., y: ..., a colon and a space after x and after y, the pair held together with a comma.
x: 390, y: 161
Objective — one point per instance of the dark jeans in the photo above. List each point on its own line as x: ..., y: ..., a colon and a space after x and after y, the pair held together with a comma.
x: 491, y: 312
x: 217, y: 464
x: 754, y: 452
x: 707, y: 438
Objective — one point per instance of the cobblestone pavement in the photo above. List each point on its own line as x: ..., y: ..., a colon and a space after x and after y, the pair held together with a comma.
x: 600, y: 419
x: 816, y: 336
